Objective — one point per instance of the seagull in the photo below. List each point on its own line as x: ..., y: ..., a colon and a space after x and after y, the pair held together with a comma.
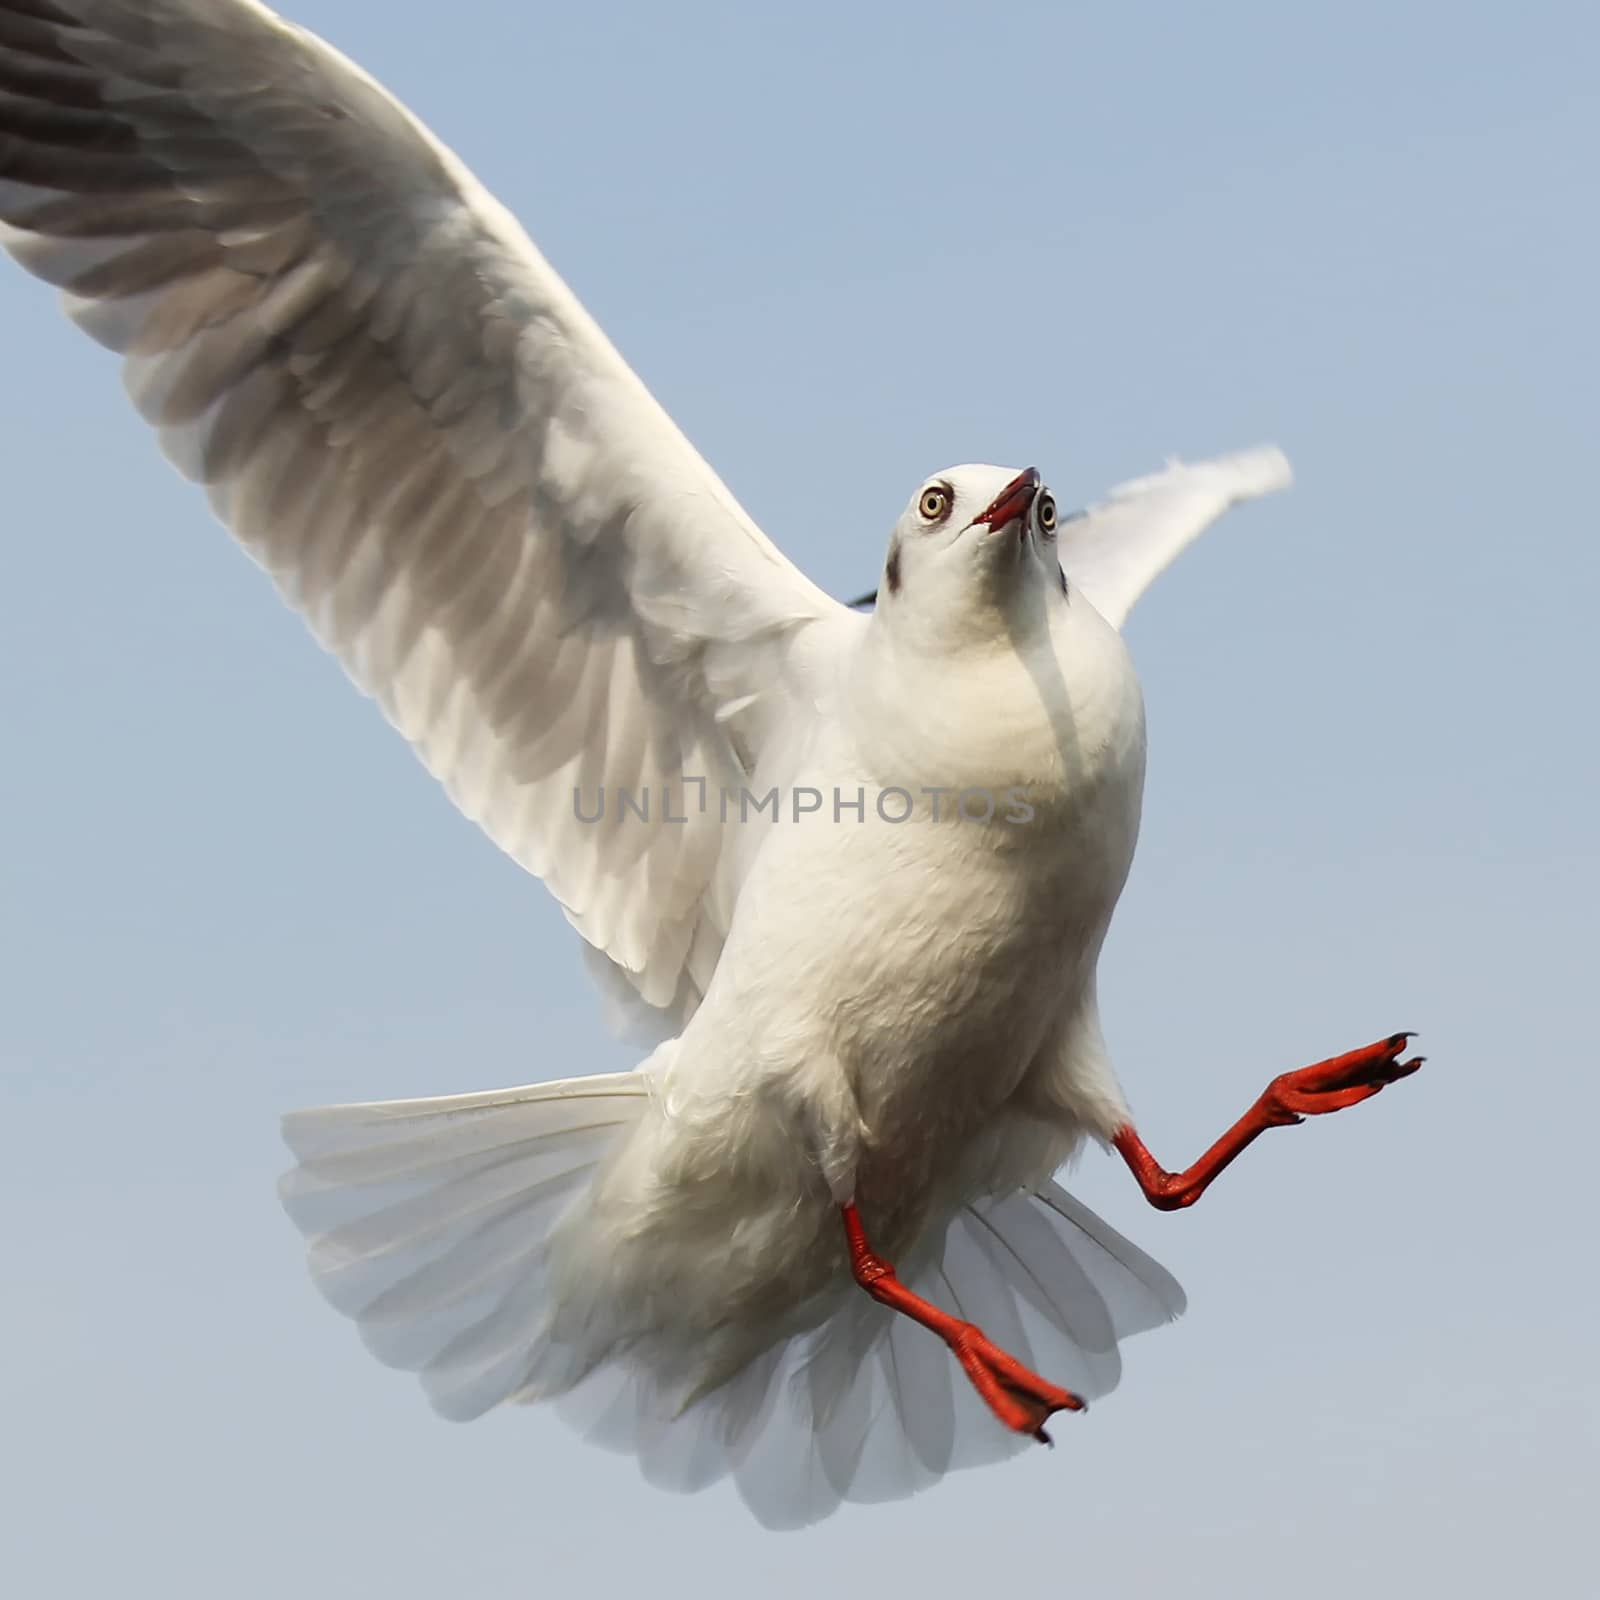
x: 850, y: 868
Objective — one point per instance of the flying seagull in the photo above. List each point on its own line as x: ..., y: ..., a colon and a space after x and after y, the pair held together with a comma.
x: 854, y: 868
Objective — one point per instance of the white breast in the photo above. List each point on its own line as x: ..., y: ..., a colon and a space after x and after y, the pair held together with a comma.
x: 925, y: 963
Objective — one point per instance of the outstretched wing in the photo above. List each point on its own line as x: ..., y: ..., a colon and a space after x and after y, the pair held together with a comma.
x: 1115, y: 550
x: 406, y: 418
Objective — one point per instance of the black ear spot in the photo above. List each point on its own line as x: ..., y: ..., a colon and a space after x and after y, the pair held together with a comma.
x: 891, y: 570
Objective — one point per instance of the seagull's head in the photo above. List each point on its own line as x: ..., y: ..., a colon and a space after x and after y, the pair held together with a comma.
x: 974, y: 541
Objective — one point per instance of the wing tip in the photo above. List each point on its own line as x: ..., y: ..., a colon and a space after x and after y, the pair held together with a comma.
x: 1239, y: 475
x: 1263, y: 469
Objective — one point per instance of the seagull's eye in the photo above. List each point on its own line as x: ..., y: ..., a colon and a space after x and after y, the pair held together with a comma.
x: 934, y: 504
x: 1047, y: 513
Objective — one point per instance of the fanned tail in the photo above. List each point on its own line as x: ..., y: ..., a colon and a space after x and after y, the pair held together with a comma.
x: 433, y: 1224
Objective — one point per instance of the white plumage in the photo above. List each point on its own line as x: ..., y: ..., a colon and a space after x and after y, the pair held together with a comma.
x: 406, y: 418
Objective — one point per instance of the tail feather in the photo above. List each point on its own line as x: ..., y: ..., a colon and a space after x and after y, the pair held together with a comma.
x: 428, y: 1220
x: 438, y: 1126
x: 495, y: 1250
x: 1138, y: 1292
x: 430, y: 1223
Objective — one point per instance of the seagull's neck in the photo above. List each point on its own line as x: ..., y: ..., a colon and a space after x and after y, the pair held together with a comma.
x: 994, y: 611
x: 1033, y: 698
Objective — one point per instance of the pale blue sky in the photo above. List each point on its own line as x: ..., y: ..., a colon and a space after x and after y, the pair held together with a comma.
x: 846, y: 246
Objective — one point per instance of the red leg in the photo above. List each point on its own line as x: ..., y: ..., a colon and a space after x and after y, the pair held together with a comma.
x: 1328, y: 1086
x: 1019, y: 1398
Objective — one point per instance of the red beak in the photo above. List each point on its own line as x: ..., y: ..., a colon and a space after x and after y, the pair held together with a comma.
x: 1015, y: 500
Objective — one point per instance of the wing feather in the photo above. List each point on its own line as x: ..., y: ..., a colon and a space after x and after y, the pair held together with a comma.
x: 406, y: 418
x: 1116, y: 549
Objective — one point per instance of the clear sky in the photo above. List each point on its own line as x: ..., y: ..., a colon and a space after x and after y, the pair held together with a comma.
x: 848, y: 245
